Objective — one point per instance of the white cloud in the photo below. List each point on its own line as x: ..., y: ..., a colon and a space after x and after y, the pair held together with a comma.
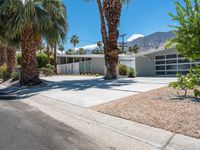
x: 134, y: 36
x: 89, y: 47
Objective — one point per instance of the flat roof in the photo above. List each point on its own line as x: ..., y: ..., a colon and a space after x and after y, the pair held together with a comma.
x: 92, y: 56
x: 152, y: 51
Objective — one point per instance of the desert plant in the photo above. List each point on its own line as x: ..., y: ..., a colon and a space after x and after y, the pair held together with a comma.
x: 15, y: 76
x: 131, y: 73
x: 123, y: 70
x: 191, y: 81
x: 3, y: 72
x: 49, y: 70
x: 182, y: 84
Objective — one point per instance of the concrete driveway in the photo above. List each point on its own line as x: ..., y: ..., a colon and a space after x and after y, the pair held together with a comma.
x: 91, y: 91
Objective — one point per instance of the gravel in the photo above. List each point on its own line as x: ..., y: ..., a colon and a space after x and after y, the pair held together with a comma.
x: 159, y: 108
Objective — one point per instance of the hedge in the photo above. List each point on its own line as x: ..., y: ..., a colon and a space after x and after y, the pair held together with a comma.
x: 41, y: 58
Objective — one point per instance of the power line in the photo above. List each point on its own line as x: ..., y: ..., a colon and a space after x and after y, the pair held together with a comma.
x: 123, y: 43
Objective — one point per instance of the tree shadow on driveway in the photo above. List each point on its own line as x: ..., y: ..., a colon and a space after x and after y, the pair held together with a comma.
x: 15, y: 92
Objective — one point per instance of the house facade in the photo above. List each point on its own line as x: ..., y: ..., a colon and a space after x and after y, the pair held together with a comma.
x: 162, y: 62
x: 156, y: 62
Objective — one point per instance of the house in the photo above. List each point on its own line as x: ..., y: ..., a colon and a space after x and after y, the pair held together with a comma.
x: 162, y: 62
x: 155, y: 62
x: 92, y: 64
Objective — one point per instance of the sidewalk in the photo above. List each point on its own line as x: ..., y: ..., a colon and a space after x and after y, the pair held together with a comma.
x: 114, y: 132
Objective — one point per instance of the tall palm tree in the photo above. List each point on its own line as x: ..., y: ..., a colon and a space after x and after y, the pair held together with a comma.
x: 74, y: 40
x: 57, y: 12
x: 110, y: 13
x: 31, y: 19
x: 61, y: 48
x: 48, y: 54
x: 7, y: 45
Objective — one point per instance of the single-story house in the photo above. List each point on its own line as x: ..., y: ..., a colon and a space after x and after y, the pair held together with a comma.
x: 94, y: 64
x: 155, y: 62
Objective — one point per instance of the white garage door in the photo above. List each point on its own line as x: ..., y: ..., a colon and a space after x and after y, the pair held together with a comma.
x: 170, y: 65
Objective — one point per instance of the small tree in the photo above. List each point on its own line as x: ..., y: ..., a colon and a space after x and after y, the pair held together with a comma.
x: 134, y: 49
x: 74, y: 40
x: 61, y: 48
x: 81, y: 51
x: 187, y: 30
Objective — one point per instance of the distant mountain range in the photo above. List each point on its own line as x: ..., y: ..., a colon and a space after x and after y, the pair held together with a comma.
x: 151, y: 41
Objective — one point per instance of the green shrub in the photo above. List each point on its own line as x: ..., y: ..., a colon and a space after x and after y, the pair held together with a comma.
x: 19, y: 59
x: 3, y: 72
x: 191, y: 81
x: 15, y: 76
x: 123, y: 70
x: 49, y: 70
x: 183, y: 83
x: 41, y: 58
x: 131, y: 73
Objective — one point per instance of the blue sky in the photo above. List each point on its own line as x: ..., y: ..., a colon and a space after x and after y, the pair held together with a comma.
x: 140, y: 17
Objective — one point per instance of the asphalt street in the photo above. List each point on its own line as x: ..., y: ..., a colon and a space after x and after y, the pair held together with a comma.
x: 23, y: 127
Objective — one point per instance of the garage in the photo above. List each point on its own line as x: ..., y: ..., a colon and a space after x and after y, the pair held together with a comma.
x: 171, y: 64
x: 163, y: 62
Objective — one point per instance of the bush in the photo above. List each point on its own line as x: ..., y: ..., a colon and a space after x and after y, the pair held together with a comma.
x: 131, y: 73
x: 191, y: 81
x: 49, y: 70
x: 3, y: 72
x: 183, y: 83
x: 123, y: 70
x: 15, y: 76
x: 41, y: 58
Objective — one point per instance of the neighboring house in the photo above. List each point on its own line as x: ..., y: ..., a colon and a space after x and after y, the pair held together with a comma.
x: 81, y: 64
x: 156, y: 62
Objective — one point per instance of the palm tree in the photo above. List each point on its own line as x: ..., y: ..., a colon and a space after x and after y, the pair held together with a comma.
x: 48, y: 54
x: 61, y: 48
x: 110, y: 13
x: 7, y: 45
x: 134, y: 49
x: 99, y: 44
x: 32, y: 19
x: 74, y: 40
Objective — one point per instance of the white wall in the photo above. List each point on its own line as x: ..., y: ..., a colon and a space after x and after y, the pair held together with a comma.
x: 72, y: 68
x: 98, y: 65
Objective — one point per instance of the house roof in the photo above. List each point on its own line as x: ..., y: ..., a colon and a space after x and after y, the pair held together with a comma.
x: 93, y: 56
x: 144, y: 53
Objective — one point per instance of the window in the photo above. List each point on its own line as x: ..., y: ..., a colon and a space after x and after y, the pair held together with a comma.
x: 172, y: 64
x: 171, y: 61
x: 172, y: 67
x: 160, y: 62
x: 183, y: 61
x: 171, y: 56
x: 160, y: 67
x: 160, y: 57
x: 187, y: 66
x: 171, y: 73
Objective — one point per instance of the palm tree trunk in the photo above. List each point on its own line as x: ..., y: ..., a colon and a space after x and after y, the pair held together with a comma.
x: 104, y: 37
x: 11, y: 62
x: 55, y: 58
x: 48, y: 55
x: 103, y: 24
x: 30, y: 73
x: 112, y: 10
x: 3, y: 55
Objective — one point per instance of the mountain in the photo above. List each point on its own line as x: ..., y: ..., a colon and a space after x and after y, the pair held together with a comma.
x: 151, y: 41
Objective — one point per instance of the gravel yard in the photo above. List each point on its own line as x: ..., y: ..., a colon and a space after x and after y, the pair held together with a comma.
x: 159, y: 108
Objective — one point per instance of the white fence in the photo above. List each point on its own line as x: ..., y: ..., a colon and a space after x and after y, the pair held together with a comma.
x: 72, y: 68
